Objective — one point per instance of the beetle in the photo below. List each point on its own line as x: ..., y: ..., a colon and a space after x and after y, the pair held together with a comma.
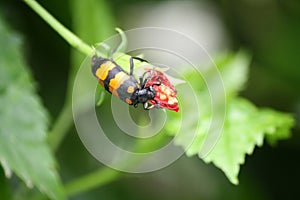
x: 121, y: 84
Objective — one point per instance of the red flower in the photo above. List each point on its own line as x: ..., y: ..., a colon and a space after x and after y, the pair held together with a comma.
x: 165, y: 92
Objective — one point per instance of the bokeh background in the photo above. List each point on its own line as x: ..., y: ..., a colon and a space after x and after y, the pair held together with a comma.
x: 269, y: 29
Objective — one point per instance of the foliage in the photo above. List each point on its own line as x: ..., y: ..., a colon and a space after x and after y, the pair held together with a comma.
x: 245, y: 126
x: 23, y: 121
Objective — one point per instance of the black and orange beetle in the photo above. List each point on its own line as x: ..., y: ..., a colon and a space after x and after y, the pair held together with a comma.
x: 121, y: 84
x: 153, y: 91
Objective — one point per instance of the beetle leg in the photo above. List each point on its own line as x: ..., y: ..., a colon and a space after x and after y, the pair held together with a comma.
x: 112, y: 51
x: 140, y: 59
x: 143, y: 81
x: 132, y: 63
x: 131, y: 66
x: 147, y: 107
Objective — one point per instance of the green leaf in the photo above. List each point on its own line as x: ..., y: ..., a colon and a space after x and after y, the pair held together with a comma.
x: 245, y: 126
x: 23, y: 122
x: 123, y: 45
x: 233, y: 69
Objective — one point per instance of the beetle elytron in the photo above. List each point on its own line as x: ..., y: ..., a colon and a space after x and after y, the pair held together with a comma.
x: 121, y: 84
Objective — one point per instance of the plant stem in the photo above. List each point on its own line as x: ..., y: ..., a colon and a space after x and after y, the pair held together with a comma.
x: 106, y: 175
x: 71, y: 38
x: 61, y: 126
x: 64, y: 120
x: 92, y: 180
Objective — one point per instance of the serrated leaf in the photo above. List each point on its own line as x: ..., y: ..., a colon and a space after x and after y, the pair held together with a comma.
x: 233, y: 69
x: 23, y: 122
x: 245, y: 127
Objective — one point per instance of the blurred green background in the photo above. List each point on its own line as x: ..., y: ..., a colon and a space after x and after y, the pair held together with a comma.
x: 269, y: 29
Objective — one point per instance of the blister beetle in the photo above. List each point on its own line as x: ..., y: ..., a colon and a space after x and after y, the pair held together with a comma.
x: 121, y: 84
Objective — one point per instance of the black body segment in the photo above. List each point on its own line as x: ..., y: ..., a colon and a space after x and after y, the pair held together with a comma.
x: 121, y: 84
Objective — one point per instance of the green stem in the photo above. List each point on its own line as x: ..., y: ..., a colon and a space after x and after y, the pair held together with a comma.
x: 106, y: 175
x: 61, y: 126
x: 92, y: 180
x: 64, y: 120
x: 71, y: 38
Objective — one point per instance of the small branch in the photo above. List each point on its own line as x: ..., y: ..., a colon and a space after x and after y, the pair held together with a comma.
x: 92, y: 180
x: 106, y: 175
x: 64, y: 120
x: 70, y: 37
x: 61, y: 126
